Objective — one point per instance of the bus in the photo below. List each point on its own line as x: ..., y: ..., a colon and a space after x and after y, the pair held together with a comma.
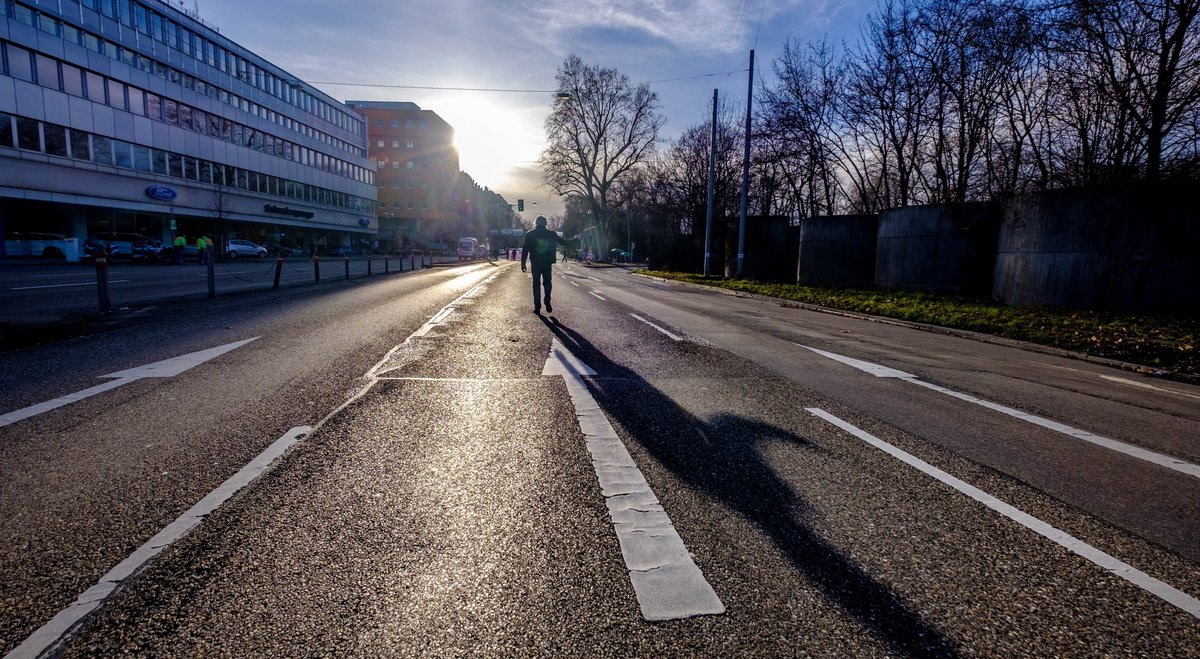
x: 468, y: 248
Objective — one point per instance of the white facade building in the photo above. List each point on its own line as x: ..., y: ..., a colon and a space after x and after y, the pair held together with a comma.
x: 135, y: 116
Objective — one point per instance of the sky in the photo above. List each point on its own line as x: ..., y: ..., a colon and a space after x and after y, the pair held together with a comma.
x: 397, y: 50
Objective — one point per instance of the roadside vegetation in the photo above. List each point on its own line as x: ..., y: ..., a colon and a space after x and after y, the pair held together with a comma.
x: 1159, y: 343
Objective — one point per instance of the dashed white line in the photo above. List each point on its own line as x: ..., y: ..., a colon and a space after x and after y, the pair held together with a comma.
x: 665, y: 579
x: 597, y: 296
x: 1116, y: 567
x: 674, y: 337
x: 1130, y: 450
x: 576, y: 285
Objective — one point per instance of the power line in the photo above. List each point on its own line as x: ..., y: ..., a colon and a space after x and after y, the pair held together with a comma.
x: 501, y: 90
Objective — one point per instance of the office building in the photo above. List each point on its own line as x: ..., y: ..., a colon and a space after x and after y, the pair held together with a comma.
x: 137, y: 116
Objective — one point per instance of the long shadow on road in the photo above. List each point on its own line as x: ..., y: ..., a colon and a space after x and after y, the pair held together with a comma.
x: 721, y: 459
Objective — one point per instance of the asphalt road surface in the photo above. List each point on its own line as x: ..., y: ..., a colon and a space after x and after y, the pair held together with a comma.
x: 420, y: 466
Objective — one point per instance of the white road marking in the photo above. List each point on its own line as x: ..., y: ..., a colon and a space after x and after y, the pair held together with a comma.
x: 1114, y: 566
x: 673, y: 336
x: 597, y: 296
x: 163, y: 369
x: 576, y: 285
x: 1143, y: 385
x: 665, y: 579
x: 592, y: 278
x: 91, y: 283
x: 1130, y: 450
x: 69, y: 619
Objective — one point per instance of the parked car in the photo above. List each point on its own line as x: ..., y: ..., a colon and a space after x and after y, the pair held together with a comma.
x: 236, y: 247
x: 132, y: 246
x: 48, y: 245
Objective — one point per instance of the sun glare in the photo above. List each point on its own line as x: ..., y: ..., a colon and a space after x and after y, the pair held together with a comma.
x: 492, y: 138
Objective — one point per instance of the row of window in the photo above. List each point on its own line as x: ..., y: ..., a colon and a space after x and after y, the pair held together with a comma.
x: 70, y: 33
x: 150, y: 23
x: 408, y: 144
x: 49, y: 72
x: 51, y: 139
x: 408, y: 123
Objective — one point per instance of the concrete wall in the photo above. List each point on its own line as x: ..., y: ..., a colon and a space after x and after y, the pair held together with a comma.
x: 1130, y: 248
x: 838, y: 251
x: 937, y: 248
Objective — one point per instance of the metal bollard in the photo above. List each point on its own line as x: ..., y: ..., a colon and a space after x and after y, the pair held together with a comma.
x: 212, y: 277
x: 102, y: 284
x: 316, y: 269
x: 369, y: 259
x: 278, y: 271
x: 385, y: 264
x: 346, y: 260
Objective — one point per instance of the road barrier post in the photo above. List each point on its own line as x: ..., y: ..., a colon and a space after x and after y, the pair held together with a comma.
x: 346, y: 260
x: 369, y: 259
x: 385, y: 264
x: 212, y: 277
x: 316, y: 269
x: 102, y: 283
x: 278, y: 270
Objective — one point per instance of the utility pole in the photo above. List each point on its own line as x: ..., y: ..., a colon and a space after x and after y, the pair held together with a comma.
x: 745, y: 171
x: 712, y: 183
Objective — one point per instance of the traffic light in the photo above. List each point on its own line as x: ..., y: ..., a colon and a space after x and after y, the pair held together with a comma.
x: 520, y: 205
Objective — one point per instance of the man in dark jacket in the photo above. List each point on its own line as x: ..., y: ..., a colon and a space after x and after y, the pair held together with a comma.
x: 541, y: 248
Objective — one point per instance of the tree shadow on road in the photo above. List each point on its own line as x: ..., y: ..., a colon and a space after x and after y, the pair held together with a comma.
x: 722, y: 459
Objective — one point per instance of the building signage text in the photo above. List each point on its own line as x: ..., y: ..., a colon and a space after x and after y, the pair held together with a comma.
x: 161, y: 192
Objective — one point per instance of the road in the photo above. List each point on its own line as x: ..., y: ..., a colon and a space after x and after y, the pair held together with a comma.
x: 419, y: 465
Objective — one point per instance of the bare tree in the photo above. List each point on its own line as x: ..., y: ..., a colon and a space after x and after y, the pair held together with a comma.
x: 600, y: 129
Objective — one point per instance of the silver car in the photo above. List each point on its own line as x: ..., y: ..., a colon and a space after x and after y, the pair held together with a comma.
x: 237, y: 247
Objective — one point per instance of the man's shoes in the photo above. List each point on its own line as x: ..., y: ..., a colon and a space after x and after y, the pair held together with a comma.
x: 549, y: 309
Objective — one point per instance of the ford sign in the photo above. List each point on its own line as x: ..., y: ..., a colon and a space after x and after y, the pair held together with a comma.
x: 364, y: 222
x: 161, y: 192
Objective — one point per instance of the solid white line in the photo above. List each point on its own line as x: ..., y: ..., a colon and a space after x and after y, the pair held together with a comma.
x: 665, y: 579
x: 597, y: 296
x: 673, y: 336
x: 30, y: 288
x: 1118, y: 568
x: 68, y: 620
x: 1130, y: 450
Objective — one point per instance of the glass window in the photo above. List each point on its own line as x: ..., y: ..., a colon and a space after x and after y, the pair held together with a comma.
x: 154, y: 106
x: 56, y: 139
x: 24, y: 14
x: 95, y: 87
x: 79, y: 145
x: 140, y: 19
x: 47, y: 71
x: 200, y: 121
x: 124, y: 12
x: 170, y: 111
x: 19, y: 63
x: 158, y: 161
x: 156, y: 26
x: 172, y: 33
x: 226, y: 130
x: 191, y: 168
x: 72, y: 80
x: 102, y: 150
x: 214, y: 125
x: 122, y: 154
x: 205, y: 171
x: 141, y: 158
x: 230, y: 175
x: 116, y: 94
x: 185, y: 116
x: 92, y: 43
x: 28, y: 134
x: 71, y: 34
x: 243, y: 179
x: 137, y: 101
x: 236, y: 134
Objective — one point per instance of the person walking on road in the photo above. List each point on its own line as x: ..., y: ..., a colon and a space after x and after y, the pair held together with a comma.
x: 180, y: 245
x: 541, y: 249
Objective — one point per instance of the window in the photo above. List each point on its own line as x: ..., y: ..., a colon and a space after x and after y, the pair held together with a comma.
x: 185, y: 112
x: 79, y: 145
x: 141, y: 20
x: 205, y: 171
x: 199, y: 121
x: 395, y: 123
x: 116, y: 94
x: 28, y: 135
x: 379, y: 144
x: 411, y: 205
x: 175, y: 165
x: 379, y: 123
x: 72, y: 80
x: 141, y: 158
x: 19, y: 63
x: 158, y: 161
x: 95, y: 87
x: 395, y: 164
x: 122, y: 156
x: 395, y: 144
x: 48, y: 24
x: 408, y: 123
x: 102, y: 150
x: 56, y: 139
x: 47, y: 72
x: 137, y: 101
x: 170, y: 112
x: 409, y: 144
